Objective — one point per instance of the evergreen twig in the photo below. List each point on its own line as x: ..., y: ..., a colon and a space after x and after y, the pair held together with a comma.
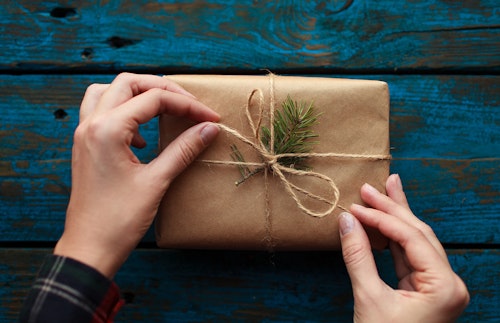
x: 292, y: 134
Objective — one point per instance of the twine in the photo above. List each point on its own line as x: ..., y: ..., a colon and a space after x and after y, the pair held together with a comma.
x: 270, y: 160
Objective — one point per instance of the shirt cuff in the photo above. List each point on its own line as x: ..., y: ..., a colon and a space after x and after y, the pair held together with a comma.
x: 68, y: 290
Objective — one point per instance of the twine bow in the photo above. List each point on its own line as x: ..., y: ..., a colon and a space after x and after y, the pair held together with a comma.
x: 270, y: 160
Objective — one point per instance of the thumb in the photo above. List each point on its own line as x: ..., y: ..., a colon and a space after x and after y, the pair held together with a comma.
x: 358, y: 256
x: 181, y: 152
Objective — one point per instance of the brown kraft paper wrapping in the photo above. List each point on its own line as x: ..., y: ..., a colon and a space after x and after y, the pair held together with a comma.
x: 204, y: 209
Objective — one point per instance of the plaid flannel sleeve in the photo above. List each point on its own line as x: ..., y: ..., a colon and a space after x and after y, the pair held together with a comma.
x: 66, y: 290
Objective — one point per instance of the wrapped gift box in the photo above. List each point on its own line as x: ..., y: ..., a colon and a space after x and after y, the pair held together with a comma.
x: 204, y: 209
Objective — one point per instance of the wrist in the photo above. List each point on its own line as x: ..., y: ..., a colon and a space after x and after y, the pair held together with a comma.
x: 96, y: 257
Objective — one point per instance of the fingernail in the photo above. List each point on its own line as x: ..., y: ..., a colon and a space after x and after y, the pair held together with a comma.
x: 370, y: 188
x: 346, y: 223
x: 208, y: 133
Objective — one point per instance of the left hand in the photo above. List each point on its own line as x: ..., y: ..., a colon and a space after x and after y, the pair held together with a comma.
x: 114, y: 196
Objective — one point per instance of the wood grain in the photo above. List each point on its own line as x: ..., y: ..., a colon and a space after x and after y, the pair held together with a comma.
x: 441, y: 59
x: 444, y: 130
x: 361, y: 35
x: 201, y: 286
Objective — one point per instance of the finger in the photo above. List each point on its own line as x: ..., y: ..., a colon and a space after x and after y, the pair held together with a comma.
x: 127, y: 85
x: 91, y: 98
x: 181, y: 152
x: 386, y: 204
x: 358, y: 256
x: 394, y: 188
x: 138, y: 141
x: 400, y: 261
x: 393, y: 203
x: 420, y: 252
x: 142, y: 108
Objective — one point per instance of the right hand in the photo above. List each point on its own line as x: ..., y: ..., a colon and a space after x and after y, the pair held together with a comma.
x: 428, y: 290
x: 114, y: 197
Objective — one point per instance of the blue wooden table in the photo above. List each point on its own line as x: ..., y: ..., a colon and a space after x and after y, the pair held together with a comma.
x: 440, y: 58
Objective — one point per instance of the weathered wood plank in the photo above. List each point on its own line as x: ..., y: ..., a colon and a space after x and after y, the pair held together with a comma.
x: 459, y: 199
x: 248, y: 35
x: 444, y: 130
x: 217, y: 286
x: 442, y: 117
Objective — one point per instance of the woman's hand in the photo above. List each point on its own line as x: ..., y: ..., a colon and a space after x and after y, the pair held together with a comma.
x: 114, y: 197
x: 428, y: 291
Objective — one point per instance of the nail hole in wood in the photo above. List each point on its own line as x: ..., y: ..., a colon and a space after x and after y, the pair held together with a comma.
x: 119, y: 42
x: 61, y: 12
x: 60, y: 114
x: 87, y: 53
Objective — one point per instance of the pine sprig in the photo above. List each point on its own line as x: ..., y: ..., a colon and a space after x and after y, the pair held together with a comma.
x: 292, y: 134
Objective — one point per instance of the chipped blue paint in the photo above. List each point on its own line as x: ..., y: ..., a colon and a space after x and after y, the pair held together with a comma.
x: 383, y: 35
x: 445, y: 131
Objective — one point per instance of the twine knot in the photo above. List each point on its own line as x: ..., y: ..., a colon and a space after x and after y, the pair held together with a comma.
x: 269, y: 160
